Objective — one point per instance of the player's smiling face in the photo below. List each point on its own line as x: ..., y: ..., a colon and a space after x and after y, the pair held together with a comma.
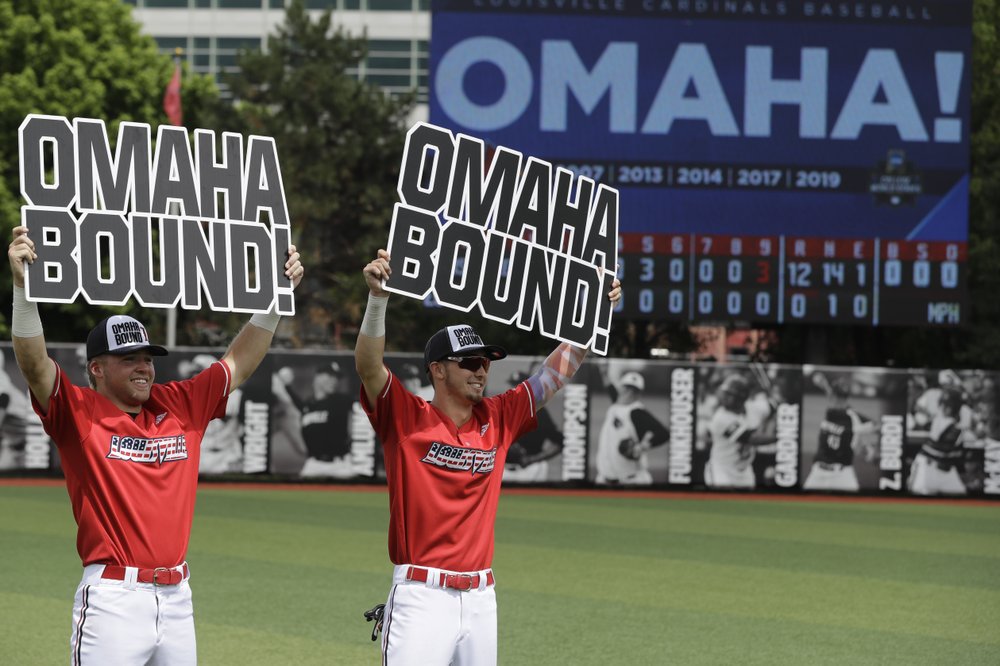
x: 469, y: 384
x: 125, y: 380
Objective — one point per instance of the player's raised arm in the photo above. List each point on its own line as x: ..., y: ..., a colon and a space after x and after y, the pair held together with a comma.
x: 370, y: 347
x: 248, y: 348
x: 555, y: 372
x: 26, y: 326
x: 562, y: 363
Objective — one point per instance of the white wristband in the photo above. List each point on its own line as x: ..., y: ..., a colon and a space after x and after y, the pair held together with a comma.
x: 24, y: 319
x: 373, y: 324
x: 266, y: 320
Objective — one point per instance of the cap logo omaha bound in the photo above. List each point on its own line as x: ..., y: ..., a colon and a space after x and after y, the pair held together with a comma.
x: 127, y: 333
x: 459, y: 340
x: 464, y: 336
x: 120, y: 334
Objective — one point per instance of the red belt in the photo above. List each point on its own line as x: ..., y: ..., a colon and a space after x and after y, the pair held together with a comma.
x: 455, y: 581
x: 157, y: 576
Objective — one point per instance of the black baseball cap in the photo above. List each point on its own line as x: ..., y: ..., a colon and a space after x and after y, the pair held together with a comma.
x: 120, y: 334
x: 841, y: 386
x: 952, y: 398
x: 518, y: 377
x: 459, y: 340
x: 410, y: 371
x: 331, y: 368
x: 737, y: 386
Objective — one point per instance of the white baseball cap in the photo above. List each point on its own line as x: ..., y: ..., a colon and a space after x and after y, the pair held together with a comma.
x: 633, y: 379
x: 120, y: 334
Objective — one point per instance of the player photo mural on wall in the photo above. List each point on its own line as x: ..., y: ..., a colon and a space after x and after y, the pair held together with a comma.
x: 749, y: 426
x: 845, y: 412
x: 15, y: 414
x: 316, y: 396
x: 948, y: 427
x: 988, y: 413
x: 631, y: 440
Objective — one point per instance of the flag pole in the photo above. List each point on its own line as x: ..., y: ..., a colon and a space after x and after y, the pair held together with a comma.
x: 171, y: 112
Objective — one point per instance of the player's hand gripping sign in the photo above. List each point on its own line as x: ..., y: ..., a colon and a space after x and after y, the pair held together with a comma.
x: 525, y: 243
x: 161, y: 226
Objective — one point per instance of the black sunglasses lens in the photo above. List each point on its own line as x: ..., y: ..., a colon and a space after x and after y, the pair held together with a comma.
x: 473, y: 363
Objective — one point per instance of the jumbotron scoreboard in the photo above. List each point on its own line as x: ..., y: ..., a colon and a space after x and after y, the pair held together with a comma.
x: 777, y: 162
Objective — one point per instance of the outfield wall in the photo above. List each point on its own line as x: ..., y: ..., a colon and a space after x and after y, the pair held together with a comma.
x: 797, y: 429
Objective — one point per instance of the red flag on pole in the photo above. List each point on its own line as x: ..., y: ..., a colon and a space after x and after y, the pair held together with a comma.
x: 172, y: 97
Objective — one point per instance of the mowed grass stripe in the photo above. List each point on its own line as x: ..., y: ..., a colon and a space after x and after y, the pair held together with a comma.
x: 223, y: 643
x: 34, y: 516
x: 847, y: 601
x: 42, y: 565
x: 34, y: 630
x: 729, y: 518
x: 290, y: 542
x: 927, y: 513
x: 316, y: 602
x: 585, y: 632
x: 878, y: 563
x: 370, y: 518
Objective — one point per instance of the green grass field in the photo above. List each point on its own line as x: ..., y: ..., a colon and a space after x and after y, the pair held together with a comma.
x: 283, y: 576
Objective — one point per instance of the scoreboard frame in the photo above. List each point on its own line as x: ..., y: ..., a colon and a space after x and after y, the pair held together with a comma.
x: 835, y: 133
x: 783, y: 279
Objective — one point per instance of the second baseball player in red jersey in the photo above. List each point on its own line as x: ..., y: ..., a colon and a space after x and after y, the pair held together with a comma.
x: 444, y: 461
x: 130, y: 450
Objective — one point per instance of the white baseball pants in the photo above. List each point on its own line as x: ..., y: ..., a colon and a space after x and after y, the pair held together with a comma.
x: 428, y: 625
x: 126, y: 623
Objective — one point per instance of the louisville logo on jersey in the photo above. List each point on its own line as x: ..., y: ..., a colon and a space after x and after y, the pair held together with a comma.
x: 148, y: 450
x: 459, y: 459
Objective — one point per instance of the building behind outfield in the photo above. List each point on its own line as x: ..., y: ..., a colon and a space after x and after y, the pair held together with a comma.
x: 213, y: 32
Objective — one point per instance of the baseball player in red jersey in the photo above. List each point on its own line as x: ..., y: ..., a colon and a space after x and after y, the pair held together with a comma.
x: 130, y: 450
x: 444, y: 461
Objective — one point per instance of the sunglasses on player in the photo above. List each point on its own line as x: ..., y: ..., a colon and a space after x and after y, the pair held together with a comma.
x: 470, y: 363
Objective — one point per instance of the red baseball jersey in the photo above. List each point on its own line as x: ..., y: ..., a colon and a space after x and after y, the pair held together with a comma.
x: 132, y: 482
x: 444, y: 481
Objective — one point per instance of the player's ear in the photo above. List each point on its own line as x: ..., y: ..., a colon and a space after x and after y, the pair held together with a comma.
x: 437, y: 370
